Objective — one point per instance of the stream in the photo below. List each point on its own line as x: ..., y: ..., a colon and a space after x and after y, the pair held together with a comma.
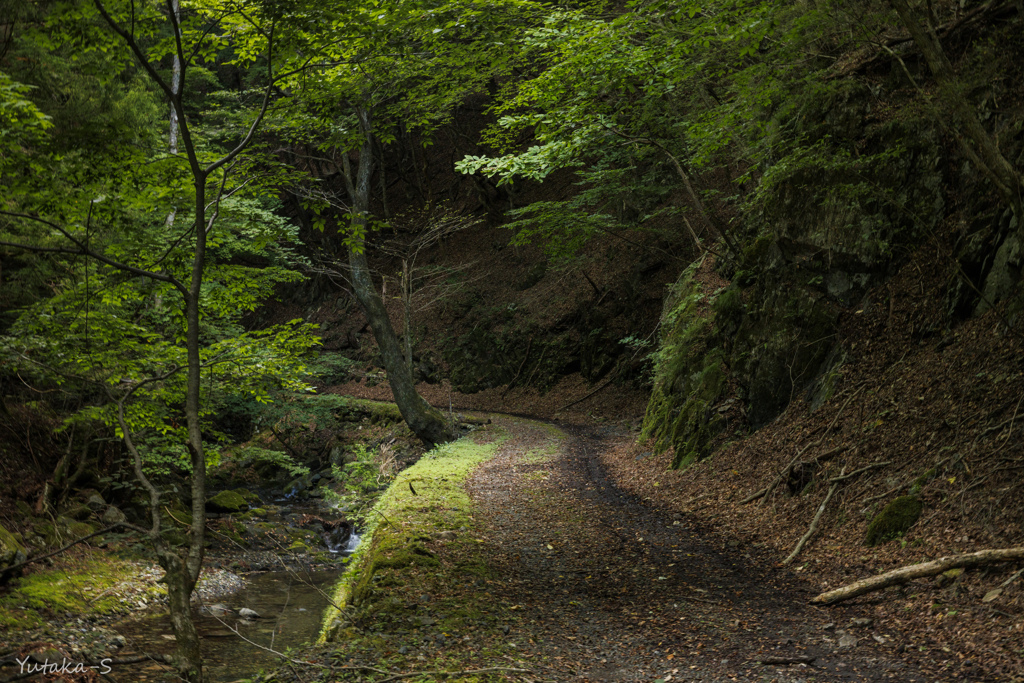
x: 290, y: 605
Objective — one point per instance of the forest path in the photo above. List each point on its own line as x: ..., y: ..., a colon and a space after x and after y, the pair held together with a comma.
x: 607, y: 588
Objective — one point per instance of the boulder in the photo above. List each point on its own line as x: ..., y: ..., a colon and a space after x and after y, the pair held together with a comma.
x: 895, y: 520
x: 79, y: 513
x: 12, y: 552
x: 227, y: 501
x: 113, y: 515
x: 248, y: 495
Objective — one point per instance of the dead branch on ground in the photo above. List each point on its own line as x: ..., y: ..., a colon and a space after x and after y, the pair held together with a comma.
x: 917, y: 571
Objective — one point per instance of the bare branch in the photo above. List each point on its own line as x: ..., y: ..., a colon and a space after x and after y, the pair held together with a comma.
x: 83, y: 250
x: 73, y: 543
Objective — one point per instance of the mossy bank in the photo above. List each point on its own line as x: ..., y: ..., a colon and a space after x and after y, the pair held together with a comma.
x: 416, y: 586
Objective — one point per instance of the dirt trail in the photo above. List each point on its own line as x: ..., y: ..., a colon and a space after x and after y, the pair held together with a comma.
x: 607, y: 588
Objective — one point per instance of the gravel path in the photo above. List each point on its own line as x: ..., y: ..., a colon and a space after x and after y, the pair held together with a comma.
x: 609, y: 589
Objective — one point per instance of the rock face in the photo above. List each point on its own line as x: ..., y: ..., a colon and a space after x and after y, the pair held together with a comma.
x: 227, y: 501
x: 11, y: 552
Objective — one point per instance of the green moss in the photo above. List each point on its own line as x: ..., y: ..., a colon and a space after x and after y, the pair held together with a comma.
x: 227, y: 501
x: 81, y: 587
x: 80, y: 529
x: 894, y: 520
x: 47, y: 531
x: 10, y: 547
x: 391, y: 549
x: 920, y: 482
x: 247, y: 495
x: 689, y: 374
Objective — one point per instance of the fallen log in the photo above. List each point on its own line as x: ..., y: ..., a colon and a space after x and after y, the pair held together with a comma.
x: 917, y: 571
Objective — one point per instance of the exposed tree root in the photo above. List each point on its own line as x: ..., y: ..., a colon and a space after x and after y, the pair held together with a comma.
x: 835, y: 481
x: 814, y: 525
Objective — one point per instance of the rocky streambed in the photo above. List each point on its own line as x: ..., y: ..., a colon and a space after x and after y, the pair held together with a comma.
x: 264, y: 587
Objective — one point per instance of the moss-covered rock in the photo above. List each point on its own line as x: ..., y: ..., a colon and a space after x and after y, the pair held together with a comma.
x: 894, y: 520
x: 11, y: 551
x: 81, y: 529
x: 248, y: 495
x: 227, y: 501
x: 79, y: 512
x: 690, y: 376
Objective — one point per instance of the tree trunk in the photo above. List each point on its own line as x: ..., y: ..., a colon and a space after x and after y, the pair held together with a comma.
x: 917, y: 571
x: 407, y: 310
x: 187, y: 659
x: 986, y: 153
x: 425, y: 421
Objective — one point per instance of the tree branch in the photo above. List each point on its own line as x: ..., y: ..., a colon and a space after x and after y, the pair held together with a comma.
x: 85, y: 251
x: 73, y: 543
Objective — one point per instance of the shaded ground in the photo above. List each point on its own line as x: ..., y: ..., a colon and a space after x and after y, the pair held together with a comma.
x: 607, y: 588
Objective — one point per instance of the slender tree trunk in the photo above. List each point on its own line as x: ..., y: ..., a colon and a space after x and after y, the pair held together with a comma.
x: 187, y: 659
x: 182, y: 572
x: 425, y: 421
x: 407, y: 310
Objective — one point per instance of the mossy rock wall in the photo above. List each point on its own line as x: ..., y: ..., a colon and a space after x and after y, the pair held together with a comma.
x: 690, y: 377
x: 818, y: 234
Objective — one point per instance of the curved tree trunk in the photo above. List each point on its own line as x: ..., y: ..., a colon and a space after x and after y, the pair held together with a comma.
x: 428, y: 423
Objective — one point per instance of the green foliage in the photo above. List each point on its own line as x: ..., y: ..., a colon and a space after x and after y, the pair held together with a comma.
x: 740, y: 88
x: 894, y: 520
x: 92, y: 176
x: 360, y: 476
x: 253, y: 455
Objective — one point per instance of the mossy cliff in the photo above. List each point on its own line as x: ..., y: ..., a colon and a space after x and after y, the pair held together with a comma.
x: 821, y: 230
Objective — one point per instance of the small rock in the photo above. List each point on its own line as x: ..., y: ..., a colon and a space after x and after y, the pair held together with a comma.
x: 847, y: 641
x: 948, y: 577
x: 880, y: 639
x: 828, y: 627
x: 446, y: 535
x: 992, y: 595
x: 403, y: 650
x: 505, y: 629
x: 862, y: 622
x: 113, y: 516
x: 247, y: 613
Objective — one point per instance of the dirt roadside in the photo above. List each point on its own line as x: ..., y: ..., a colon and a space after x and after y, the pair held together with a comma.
x: 604, y: 587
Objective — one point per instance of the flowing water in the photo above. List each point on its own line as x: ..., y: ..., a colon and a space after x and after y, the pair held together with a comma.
x: 290, y: 607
